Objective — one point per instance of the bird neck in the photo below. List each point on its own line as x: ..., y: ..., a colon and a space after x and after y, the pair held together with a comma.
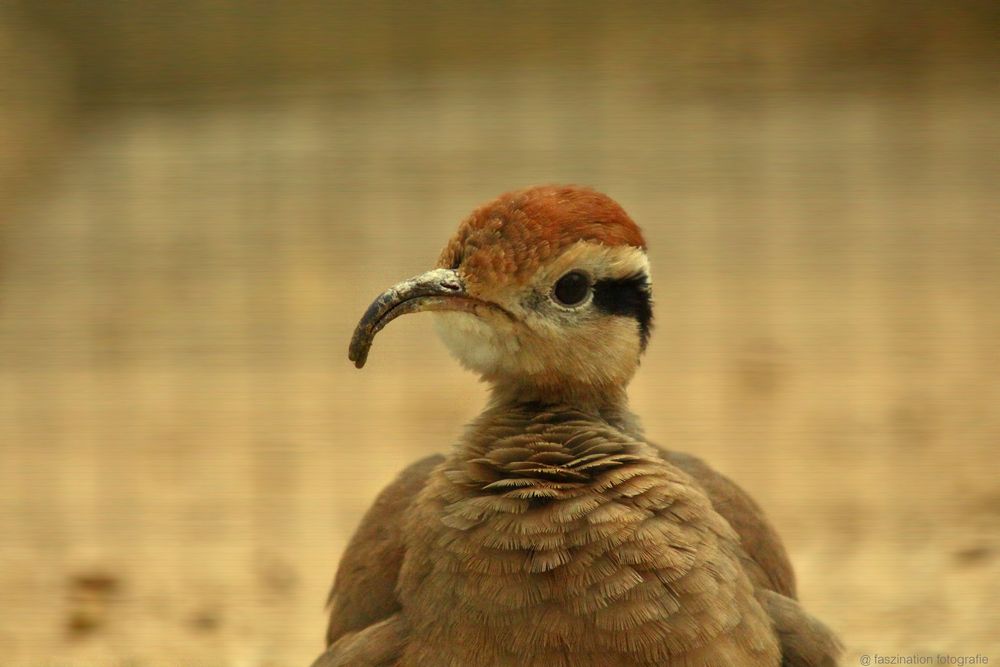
x: 609, y: 405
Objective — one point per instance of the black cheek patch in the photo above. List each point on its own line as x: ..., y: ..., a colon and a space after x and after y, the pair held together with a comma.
x: 628, y: 297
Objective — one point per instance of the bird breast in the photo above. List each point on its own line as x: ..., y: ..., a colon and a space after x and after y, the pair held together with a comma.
x: 557, y: 539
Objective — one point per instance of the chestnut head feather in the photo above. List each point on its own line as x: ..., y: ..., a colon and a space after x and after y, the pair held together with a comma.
x: 545, y: 292
x: 511, y: 235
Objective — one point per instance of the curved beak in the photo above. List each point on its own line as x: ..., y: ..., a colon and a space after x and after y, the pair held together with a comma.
x: 440, y: 289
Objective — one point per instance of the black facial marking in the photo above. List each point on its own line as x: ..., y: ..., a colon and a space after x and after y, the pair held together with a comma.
x: 630, y: 297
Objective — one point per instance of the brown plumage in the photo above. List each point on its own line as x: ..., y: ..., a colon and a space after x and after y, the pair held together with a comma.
x: 554, y: 533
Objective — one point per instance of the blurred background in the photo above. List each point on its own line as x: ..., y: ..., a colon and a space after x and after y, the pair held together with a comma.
x: 199, y: 198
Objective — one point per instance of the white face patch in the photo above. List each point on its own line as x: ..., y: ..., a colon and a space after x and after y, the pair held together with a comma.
x: 475, y: 342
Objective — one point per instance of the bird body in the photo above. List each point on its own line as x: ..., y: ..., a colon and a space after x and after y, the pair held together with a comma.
x: 552, y: 537
x: 554, y: 533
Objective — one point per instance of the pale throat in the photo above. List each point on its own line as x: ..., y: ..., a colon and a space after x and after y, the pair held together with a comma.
x: 524, y: 369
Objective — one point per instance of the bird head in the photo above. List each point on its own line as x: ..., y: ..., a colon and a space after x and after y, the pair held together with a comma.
x: 544, y: 292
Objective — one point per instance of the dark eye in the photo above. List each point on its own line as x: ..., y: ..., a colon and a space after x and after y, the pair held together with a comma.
x: 572, y: 289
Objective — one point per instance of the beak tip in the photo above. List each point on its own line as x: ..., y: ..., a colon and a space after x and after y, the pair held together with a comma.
x: 357, y: 356
x: 357, y: 352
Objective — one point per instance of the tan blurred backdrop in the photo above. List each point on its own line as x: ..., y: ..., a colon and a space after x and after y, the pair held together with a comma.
x: 198, y: 199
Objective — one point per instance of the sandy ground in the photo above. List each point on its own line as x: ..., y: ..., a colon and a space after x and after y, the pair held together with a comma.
x: 185, y: 448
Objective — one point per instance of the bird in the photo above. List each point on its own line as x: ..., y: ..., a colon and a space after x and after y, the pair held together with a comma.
x: 554, y: 533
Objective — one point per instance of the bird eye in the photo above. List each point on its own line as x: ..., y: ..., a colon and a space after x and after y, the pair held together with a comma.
x: 572, y: 289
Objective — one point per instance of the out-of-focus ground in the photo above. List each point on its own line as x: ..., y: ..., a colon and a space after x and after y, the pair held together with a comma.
x: 196, y: 206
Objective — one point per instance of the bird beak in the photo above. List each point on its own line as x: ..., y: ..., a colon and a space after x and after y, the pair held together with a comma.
x: 440, y: 289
